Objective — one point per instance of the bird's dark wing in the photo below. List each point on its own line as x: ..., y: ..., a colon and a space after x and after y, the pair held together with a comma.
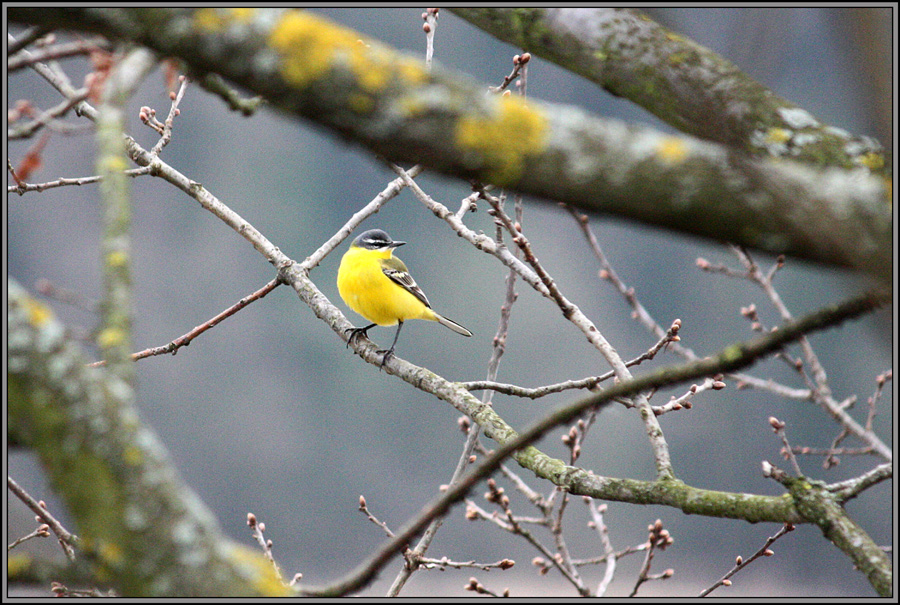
x: 395, y: 269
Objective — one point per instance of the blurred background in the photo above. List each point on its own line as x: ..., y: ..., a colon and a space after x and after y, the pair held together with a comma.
x: 269, y: 413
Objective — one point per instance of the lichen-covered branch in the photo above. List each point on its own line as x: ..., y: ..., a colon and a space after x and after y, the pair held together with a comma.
x: 817, y: 505
x: 114, y: 337
x: 141, y: 529
x: 391, y: 104
x: 681, y: 82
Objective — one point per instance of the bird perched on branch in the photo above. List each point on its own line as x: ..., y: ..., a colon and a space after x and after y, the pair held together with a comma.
x: 378, y: 286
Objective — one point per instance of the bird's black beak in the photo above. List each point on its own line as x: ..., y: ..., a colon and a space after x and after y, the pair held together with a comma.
x: 397, y: 244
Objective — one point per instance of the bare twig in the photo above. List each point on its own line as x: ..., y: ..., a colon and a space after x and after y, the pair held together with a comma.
x: 593, y: 335
x: 658, y: 539
x: 387, y: 194
x: 258, y: 528
x: 430, y: 17
x: 778, y: 427
x: 444, y: 563
x: 556, y: 529
x: 48, y: 118
x: 363, y: 507
x: 42, y: 531
x: 851, y: 488
x: 477, y: 587
x: 880, y: 381
x: 589, y: 382
x: 66, y: 539
x: 519, y: 68
x: 740, y: 563
x: 166, y: 134
x: 608, y: 550
x: 57, y: 51
x: 67, y: 182
x: 186, y: 339
x: 30, y: 35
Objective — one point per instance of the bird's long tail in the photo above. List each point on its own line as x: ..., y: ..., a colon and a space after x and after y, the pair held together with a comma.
x: 452, y: 325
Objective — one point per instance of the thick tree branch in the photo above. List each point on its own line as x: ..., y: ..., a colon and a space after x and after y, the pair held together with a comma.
x: 679, y: 81
x: 143, y: 531
x: 392, y: 105
x: 817, y: 505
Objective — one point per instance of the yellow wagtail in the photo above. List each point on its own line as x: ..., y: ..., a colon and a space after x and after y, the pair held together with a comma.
x: 377, y: 285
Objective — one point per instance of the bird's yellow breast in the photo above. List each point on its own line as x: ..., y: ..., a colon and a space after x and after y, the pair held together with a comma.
x: 368, y: 291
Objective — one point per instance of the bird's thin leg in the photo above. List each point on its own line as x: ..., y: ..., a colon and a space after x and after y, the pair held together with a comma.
x: 389, y: 352
x: 355, y: 332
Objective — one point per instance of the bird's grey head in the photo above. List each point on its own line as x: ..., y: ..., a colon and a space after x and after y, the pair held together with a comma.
x: 375, y: 239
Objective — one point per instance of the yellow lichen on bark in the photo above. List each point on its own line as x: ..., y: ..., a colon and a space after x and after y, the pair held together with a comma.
x: 504, y: 140
x: 672, y: 150
x: 310, y: 47
x: 215, y: 19
x: 38, y: 313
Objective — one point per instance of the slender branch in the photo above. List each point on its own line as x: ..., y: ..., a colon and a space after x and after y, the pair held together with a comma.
x: 186, y: 339
x: 764, y: 281
x: 42, y: 531
x: 574, y: 314
x: 778, y: 427
x: 387, y: 194
x: 609, y: 553
x: 58, y: 51
x: 851, y: 488
x: 741, y: 563
x: 66, y: 539
x: 25, y: 38
x: 444, y: 563
x: 46, y: 117
x: 213, y: 83
x: 363, y: 507
x: 67, y: 182
x: 258, y: 528
x: 589, y: 382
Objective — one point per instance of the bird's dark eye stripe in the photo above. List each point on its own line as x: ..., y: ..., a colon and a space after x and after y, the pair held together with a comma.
x: 374, y: 239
